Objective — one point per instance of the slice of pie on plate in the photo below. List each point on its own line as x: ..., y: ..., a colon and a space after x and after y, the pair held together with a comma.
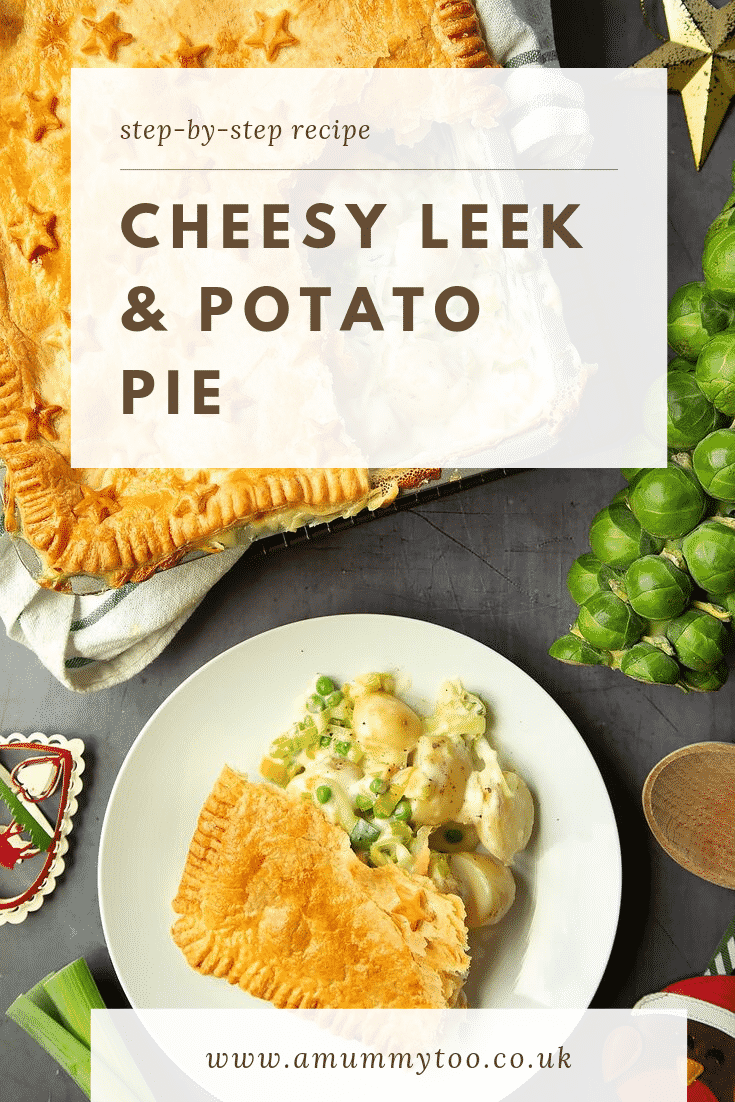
x: 272, y: 898
x: 123, y: 524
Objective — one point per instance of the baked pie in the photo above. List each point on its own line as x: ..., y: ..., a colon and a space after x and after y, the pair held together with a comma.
x: 273, y: 899
x: 123, y: 524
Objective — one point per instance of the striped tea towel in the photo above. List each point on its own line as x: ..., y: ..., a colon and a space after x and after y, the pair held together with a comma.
x: 93, y: 642
x: 723, y: 958
x: 546, y: 119
x: 519, y: 32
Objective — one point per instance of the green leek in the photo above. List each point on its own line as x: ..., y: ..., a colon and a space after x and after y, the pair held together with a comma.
x: 66, y: 1049
x: 56, y: 1013
x: 75, y: 995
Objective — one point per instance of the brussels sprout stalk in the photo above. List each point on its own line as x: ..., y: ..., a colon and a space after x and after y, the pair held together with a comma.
x: 618, y: 589
x: 672, y: 552
x: 683, y: 460
x: 717, y: 611
x: 660, y: 642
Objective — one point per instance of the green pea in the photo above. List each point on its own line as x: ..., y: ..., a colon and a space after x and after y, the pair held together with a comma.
x: 334, y: 699
x: 315, y: 704
x: 378, y: 787
x: 402, y: 810
x: 364, y: 803
x: 342, y: 748
x: 324, y: 686
x: 324, y: 793
x: 325, y: 740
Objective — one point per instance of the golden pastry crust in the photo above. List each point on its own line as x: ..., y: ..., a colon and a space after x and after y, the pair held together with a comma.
x: 123, y: 524
x: 273, y: 899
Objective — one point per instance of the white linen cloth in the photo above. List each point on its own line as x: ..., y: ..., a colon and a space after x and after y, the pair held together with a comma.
x: 92, y: 642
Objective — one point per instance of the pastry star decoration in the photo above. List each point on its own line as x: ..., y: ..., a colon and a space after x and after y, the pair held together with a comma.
x: 700, y: 60
x: 101, y: 503
x: 39, y: 419
x: 272, y: 34
x: 191, y: 57
x: 193, y: 495
x: 106, y: 36
x: 34, y: 235
x: 41, y: 114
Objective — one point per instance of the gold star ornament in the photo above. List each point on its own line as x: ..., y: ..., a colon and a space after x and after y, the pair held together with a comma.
x: 700, y: 61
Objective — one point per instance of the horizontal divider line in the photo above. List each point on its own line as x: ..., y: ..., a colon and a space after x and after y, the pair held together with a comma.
x: 433, y: 169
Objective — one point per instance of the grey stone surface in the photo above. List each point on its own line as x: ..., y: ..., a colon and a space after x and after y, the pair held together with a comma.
x: 491, y: 563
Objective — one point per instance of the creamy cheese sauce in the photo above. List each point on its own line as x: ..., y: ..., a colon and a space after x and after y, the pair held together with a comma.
x: 420, y: 791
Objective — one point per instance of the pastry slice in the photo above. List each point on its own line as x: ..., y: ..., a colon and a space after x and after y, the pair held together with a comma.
x: 273, y: 899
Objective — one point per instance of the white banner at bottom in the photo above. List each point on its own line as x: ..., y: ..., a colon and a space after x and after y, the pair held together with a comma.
x: 318, y: 1055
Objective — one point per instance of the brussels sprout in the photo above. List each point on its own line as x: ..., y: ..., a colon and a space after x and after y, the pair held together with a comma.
x: 723, y: 218
x: 699, y: 640
x: 693, y: 318
x: 708, y: 681
x: 644, y: 662
x: 680, y: 364
x: 718, y: 260
x: 656, y: 589
x: 690, y: 416
x: 609, y: 623
x: 714, y: 464
x: 715, y: 371
x: 617, y: 538
x: 576, y: 652
x: 667, y: 503
x: 587, y: 575
x: 709, y: 552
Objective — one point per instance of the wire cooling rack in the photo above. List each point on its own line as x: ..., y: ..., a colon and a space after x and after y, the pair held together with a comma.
x: 449, y: 485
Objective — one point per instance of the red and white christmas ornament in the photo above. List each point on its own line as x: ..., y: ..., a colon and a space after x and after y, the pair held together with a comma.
x: 709, y: 1003
x: 40, y: 779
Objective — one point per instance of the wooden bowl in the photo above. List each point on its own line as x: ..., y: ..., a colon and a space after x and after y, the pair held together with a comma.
x: 689, y: 802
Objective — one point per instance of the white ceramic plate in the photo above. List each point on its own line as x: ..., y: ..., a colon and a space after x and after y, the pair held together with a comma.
x: 552, y: 947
